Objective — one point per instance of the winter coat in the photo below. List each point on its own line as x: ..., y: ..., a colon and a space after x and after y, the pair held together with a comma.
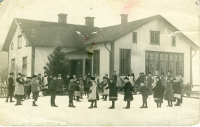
x: 76, y: 87
x: 60, y: 83
x: 168, y: 92
x: 112, y: 91
x: 35, y: 87
x: 54, y: 84
x: 10, y: 83
x: 149, y: 82
x: 66, y: 82
x: 93, y: 95
x: 88, y: 85
x: 72, y: 86
x: 159, y: 90
x: 127, y: 92
x: 144, y: 91
x: 163, y: 81
x: 177, y: 88
x: 19, y: 87
x: 115, y: 78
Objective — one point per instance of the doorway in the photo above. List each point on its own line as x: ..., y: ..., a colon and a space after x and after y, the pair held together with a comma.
x: 76, y: 68
x: 88, y: 66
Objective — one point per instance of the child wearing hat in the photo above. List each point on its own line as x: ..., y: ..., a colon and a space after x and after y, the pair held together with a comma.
x: 93, y: 95
x: 127, y: 92
x: 112, y: 92
x: 71, y: 88
x: 144, y: 91
x: 10, y: 87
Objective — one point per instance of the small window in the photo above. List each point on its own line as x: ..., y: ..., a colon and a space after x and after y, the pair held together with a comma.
x: 12, y: 46
x: 173, y: 41
x: 19, y: 44
x: 154, y: 37
x: 134, y: 35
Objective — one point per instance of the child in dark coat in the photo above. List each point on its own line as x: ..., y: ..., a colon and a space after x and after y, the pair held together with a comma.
x: 177, y: 91
x: 144, y: 91
x: 158, y: 92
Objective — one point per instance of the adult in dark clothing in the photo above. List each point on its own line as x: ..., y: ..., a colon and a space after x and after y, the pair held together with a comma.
x: 159, y: 90
x: 66, y: 83
x: 49, y: 81
x: 112, y: 92
x: 145, y: 92
x: 149, y: 81
x: 40, y: 79
x: 71, y: 92
x: 168, y: 95
x: 19, y: 89
x: 177, y: 91
x: 53, y: 88
x: 138, y: 81
x: 10, y: 87
x: 127, y: 92
x: 87, y: 86
x: 114, y: 76
x: 35, y: 88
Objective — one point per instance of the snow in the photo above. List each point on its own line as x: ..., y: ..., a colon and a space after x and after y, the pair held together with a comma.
x: 44, y: 114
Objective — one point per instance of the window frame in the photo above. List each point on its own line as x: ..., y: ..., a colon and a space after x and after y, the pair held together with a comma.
x: 94, y: 62
x: 12, y: 46
x: 154, y: 32
x: 25, y: 64
x: 134, y: 40
x: 166, y: 62
x: 19, y: 43
x: 129, y: 68
x: 173, y: 41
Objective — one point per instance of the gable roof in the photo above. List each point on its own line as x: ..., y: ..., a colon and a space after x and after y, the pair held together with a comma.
x: 41, y: 33
x: 112, y: 33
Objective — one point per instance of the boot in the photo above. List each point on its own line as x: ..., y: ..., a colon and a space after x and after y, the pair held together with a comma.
x: 128, y: 105
x: 142, y: 105
x: 178, y: 103
x: 91, y: 106
x: 34, y: 103
x: 168, y: 103
x: 113, y: 105
x: 157, y: 105
x: 105, y: 98
x: 102, y: 97
x: 95, y: 104
x: 17, y: 103
x: 7, y: 100
x: 145, y: 105
x: 72, y: 104
x: 78, y: 99
x: 171, y: 105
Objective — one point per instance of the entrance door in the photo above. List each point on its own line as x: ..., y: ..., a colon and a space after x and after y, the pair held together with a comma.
x: 88, y: 66
x: 76, y: 68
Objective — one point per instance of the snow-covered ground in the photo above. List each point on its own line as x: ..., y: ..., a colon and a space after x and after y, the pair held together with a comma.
x: 44, y: 114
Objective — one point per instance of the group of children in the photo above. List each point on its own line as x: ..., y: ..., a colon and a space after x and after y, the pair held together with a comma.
x: 168, y: 88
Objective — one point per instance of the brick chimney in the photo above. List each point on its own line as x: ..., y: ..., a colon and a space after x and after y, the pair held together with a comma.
x: 62, y: 18
x: 89, y: 21
x: 124, y: 18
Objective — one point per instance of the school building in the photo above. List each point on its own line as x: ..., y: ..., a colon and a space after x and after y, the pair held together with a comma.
x: 146, y: 45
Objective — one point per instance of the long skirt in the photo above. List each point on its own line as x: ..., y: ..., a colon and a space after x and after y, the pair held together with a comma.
x: 81, y: 90
x: 158, y: 100
x: 128, y: 96
x: 94, y: 99
x: 77, y: 93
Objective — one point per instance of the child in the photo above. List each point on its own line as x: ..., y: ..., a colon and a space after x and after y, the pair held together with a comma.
x: 19, y: 89
x: 149, y: 82
x: 35, y: 89
x: 119, y: 81
x: 105, y: 91
x: 112, y: 92
x: 127, y: 92
x: 168, y: 95
x: 144, y: 91
x: 93, y: 96
x: 81, y: 87
x: 87, y: 86
x: 66, y: 84
x: 71, y: 92
x: 27, y: 88
x: 158, y: 92
x: 77, y: 91
x: 177, y: 91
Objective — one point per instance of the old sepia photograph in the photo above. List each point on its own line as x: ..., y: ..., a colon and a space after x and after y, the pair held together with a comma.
x: 99, y: 62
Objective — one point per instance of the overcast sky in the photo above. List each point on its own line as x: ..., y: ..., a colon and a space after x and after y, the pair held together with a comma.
x: 181, y: 13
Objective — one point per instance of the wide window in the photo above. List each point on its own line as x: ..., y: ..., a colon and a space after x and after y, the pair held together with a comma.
x: 154, y: 37
x: 96, y: 62
x: 134, y: 37
x: 125, y: 61
x: 12, y: 65
x: 164, y: 62
x: 24, y: 66
x: 19, y: 43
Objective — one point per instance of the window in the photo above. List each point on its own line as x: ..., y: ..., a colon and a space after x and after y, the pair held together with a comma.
x: 154, y: 37
x: 19, y: 44
x: 173, y: 41
x: 12, y: 65
x: 96, y: 61
x: 12, y: 46
x: 24, y: 65
x: 164, y: 62
x: 134, y: 35
x: 125, y: 61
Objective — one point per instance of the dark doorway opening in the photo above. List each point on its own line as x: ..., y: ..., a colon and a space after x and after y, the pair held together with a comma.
x: 88, y: 66
x: 76, y: 68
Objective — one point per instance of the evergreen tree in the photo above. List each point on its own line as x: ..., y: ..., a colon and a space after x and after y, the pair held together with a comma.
x: 57, y: 63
